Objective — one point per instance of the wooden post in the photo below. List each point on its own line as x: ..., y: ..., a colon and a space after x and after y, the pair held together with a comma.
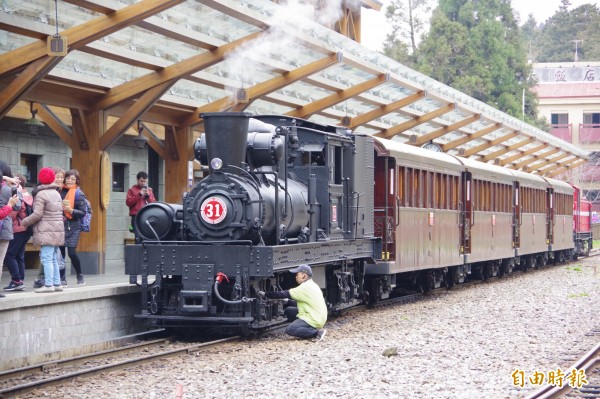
x: 178, y: 142
x: 87, y: 130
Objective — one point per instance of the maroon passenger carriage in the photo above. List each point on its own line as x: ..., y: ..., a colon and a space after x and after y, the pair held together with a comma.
x: 443, y: 217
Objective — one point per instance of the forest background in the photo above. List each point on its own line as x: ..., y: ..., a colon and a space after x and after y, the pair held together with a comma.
x: 482, y: 49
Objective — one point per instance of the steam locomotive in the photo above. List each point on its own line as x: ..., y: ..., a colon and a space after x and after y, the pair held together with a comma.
x: 372, y: 217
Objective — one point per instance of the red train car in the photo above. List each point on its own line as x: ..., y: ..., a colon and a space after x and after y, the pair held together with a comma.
x: 582, y: 226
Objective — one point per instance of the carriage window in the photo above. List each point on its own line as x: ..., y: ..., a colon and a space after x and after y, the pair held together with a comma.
x: 401, y: 188
x: 426, y: 189
x: 410, y: 193
x: 419, y: 188
x: 443, y: 187
x: 454, y: 192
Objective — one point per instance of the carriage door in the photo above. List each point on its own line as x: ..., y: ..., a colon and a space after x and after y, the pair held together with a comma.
x: 550, y: 216
x: 516, y: 224
x: 385, y: 204
x: 466, y: 213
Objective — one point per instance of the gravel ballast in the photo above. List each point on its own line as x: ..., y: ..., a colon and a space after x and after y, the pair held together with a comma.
x: 464, y: 343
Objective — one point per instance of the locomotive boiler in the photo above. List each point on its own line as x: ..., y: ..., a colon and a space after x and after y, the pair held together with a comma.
x: 280, y: 192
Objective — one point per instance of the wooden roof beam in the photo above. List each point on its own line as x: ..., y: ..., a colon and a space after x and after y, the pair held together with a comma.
x: 335, y: 98
x: 546, y: 162
x: 522, y: 154
x: 18, y: 87
x: 553, y: 163
x: 534, y: 158
x: 556, y: 165
x: 138, y: 108
x: 80, y: 35
x: 494, y: 155
x: 134, y: 87
x: 486, y: 145
x: 58, y: 127
x: 80, y: 129
x: 444, y: 130
x: 287, y: 78
x: 264, y: 88
x: 385, y: 109
x: 565, y: 168
x: 415, y: 121
x: 470, y: 137
x: 156, y: 25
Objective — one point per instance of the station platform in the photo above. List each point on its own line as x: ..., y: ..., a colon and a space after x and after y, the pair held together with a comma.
x: 39, y: 327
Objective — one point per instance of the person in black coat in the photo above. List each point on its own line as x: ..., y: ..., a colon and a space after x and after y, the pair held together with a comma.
x: 73, y: 210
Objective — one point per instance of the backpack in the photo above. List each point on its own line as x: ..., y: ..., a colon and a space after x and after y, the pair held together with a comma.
x: 86, y: 220
x: 28, y: 211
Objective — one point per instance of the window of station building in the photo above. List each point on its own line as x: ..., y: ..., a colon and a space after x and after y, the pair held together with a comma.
x: 118, y: 177
x: 28, y: 167
x: 592, y: 118
x: 559, y: 118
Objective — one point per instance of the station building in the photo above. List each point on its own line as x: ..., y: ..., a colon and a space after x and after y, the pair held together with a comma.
x: 569, y: 98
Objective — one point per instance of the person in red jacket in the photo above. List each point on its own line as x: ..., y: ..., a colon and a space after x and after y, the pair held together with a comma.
x: 138, y: 195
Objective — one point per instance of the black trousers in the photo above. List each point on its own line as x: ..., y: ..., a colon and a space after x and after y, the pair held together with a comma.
x: 299, y: 328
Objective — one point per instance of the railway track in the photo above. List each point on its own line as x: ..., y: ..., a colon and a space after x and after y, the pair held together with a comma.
x: 585, y: 382
x: 14, y: 383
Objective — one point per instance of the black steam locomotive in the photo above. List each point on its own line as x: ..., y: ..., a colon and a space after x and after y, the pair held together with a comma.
x: 280, y: 192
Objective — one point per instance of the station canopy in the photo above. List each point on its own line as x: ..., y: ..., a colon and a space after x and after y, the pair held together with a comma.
x: 167, y: 61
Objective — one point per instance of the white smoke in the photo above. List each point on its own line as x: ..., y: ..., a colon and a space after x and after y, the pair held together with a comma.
x: 246, y: 65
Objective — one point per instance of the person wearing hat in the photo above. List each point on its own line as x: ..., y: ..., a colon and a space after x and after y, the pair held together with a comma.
x: 48, y: 228
x: 307, y: 309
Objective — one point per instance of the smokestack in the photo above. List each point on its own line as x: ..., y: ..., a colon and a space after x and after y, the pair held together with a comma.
x: 226, y: 136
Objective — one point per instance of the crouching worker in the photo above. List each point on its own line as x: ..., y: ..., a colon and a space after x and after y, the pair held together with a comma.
x: 307, y: 309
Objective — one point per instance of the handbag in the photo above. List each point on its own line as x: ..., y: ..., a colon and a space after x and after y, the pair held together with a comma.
x: 60, y: 260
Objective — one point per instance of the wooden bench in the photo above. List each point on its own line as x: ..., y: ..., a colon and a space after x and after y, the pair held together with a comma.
x: 32, y: 256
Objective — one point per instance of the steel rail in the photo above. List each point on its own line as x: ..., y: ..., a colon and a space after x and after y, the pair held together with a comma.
x: 27, y: 387
x: 587, y: 363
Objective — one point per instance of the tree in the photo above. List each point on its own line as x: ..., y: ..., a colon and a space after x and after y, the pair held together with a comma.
x: 567, y: 30
x: 478, y: 48
x: 531, y: 32
x: 408, y: 19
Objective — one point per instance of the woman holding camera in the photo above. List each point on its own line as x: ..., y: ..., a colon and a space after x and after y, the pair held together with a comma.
x: 139, y: 195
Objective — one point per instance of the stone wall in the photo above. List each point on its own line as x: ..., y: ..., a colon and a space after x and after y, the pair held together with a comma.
x: 36, y: 328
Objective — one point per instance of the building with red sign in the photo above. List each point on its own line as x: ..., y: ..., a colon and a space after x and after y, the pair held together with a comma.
x: 569, y: 97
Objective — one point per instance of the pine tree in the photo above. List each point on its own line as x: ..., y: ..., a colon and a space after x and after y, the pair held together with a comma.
x: 566, y: 31
x: 408, y: 19
x: 477, y: 48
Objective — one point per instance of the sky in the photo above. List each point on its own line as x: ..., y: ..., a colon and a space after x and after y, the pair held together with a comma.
x: 374, y: 31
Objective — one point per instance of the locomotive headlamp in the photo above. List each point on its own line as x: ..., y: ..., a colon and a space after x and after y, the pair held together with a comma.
x: 216, y: 163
